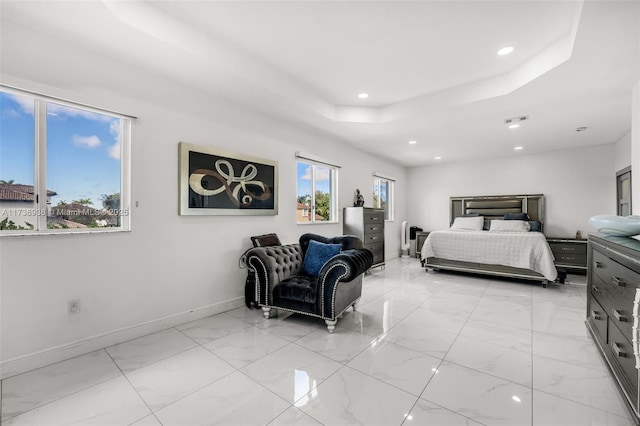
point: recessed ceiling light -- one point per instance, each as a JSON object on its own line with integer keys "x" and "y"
{"x": 514, "y": 126}
{"x": 413, "y": 142}
{"x": 505, "y": 50}
{"x": 580, "y": 129}
{"x": 437, "y": 158}
{"x": 363, "y": 95}
{"x": 518, "y": 148}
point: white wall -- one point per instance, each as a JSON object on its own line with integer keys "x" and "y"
{"x": 622, "y": 152}
{"x": 168, "y": 265}
{"x": 635, "y": 149}
{"x": 577, "y": 184}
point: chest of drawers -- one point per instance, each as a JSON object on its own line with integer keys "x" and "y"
{"x": 613, "y": 275}
{"x": 368, "y": 224}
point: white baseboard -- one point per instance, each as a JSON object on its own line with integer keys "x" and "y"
{"x": 39, "y": 359}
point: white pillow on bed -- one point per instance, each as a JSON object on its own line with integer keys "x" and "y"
{"x": 510, "y": 226}
{"x": 473, "y": 223}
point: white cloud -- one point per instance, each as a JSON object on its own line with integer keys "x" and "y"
{"x": 114, "y": 128}
{"x": 114, "y": 151}
{"x": 65, "y": 111}
{"x": 307, "y": 174}
{"x": 322, "y": 173}
{"x": 86, "y": 141}
{"x": 26, "y": 103}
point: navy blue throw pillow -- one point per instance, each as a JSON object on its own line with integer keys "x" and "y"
{"x": 516, "y": 216}
{"x": 535, "y": 226}
{"x": 317, "y": 255}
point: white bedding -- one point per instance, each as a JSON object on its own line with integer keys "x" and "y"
{"x": 528, "y": 250}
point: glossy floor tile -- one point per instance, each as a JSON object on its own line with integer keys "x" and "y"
{"x": 55, "y": 381}
{"x": 479, "y": 396}
{"x": 423, "y": 348}
{"x": 351, "y": 397}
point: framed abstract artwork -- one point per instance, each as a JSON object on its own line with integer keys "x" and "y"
{"x": 217, "y": 182}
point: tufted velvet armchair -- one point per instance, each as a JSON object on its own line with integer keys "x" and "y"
{"x": 282, "y": 284}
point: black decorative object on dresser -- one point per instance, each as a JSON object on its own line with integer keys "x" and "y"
{"x": 613, "y": 276}
{"x": 570, "y": 256}
{"x": 368, "y": 224}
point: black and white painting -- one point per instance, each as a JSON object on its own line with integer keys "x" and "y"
{"x": 218, "y": 182}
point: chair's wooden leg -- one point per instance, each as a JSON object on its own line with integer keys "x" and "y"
{"x": 331, "y": 325}
{"x": 266, "y": 312}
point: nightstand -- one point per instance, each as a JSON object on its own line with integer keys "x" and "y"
{"x": 570, "y": 256}
{"x": 421, "y": 237}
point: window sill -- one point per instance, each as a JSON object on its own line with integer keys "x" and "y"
{"x": 4, "y": 234}
{"x": 318, "y": 223}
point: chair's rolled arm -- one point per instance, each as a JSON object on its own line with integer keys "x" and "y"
{"x": 272, "y": 265}
{"x": 348, "y": 264}
{"x": 344, "y": 267}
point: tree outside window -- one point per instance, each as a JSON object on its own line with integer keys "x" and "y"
{"x": 316, "y": 189}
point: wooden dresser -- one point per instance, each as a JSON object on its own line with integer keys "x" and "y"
{"x": 368, "y": 224}
{"x": 612, "y": 278}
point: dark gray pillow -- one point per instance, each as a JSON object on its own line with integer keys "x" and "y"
{"x": 266, "y": 240}
{"x": 535, "y": 226}
{"x": 516, "y": 216}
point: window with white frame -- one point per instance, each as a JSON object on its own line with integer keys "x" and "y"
{"x": 63, "y": 167}
{"x": 383, "y": 195}
{"x": 316, "y": 191}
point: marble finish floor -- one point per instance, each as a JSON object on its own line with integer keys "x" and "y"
{"x": 422, "y": 349}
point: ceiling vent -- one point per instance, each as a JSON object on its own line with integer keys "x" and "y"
{"x": 518, "y": 119}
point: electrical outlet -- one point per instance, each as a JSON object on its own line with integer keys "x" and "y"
{"x": 73, "y": 306}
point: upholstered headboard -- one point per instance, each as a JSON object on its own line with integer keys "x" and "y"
{"x": 495, "y": 206}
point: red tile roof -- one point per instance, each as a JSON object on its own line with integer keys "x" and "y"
{"x": 19, "y": 192}
{"x": 61, "y": 223}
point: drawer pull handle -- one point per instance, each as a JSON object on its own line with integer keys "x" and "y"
{"x": 568, "y": 258}
{"x": 618, "y": 315}
{"x": 619, "y": 351}
{"x": 618, "y": 281}
{"x": 567, "y": 249}
{"x": 374, "y": 238}
{"x": 595, "y": 315}
{"x": 599, "y": 265}
{"x": 595, "y": 288}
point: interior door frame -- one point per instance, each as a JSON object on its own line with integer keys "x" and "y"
{"x": 619, "y": 178}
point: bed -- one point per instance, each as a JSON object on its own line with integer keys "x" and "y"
{"x": 500, "y": 251}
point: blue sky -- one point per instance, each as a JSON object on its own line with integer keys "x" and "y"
{"x": 383, "y": 189}
{"x": 83, "y": 151}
